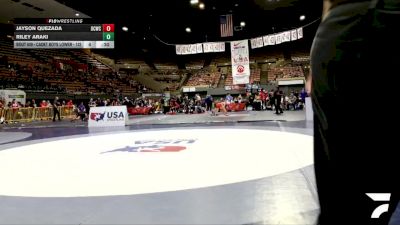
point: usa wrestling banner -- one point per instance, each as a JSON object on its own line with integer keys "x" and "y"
{"x": 240, "y": 62}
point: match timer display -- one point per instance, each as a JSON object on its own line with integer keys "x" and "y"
{"x": 63, "y": 33}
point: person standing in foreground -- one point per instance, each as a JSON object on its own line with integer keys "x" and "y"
{"x": 56, "y": 103}
{"x": 354, "y": 152}
{"x": 278, "y": 98}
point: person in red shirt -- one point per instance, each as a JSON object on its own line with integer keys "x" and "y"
{"x": 15, "y": 107}
{"x": 70, "y": 103}
{"x": 220, "y": 106}
{"x": 43, "y": 104}
{"x": 263, "y": 98}
{"x": 14, "y": 104}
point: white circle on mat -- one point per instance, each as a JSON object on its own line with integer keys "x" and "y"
{"x": 149, "y": 162}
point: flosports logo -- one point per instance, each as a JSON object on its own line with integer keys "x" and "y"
{"x": 379, "y": 197}
{"x": 156, "y": 146}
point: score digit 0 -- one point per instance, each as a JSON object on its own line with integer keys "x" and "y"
{"x": 108, "y": 27}
{"x": 108, "y": 36}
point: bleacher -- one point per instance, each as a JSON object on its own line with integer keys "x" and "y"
{"x": 167, "y": 75}
{"x": 85, "y": 58}
{"x": 285, "y": 72}
{"x": 204, "y": 78}
{"x": 15, "y": 55}
{"x": 35, "y": 69}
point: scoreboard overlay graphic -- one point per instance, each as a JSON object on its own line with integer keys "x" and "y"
{"x": 62, "y": 33}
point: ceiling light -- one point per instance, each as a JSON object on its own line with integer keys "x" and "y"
{"x": 302, "y": 17}
{"x": 194, "y": 2}
{"x": 188, "y": 30}
{"x": 202, "y": 6}
{"x": 236, "y": 5}
{"x": 76, "y": 14}
{"x": 242, "y": 24}
{"x": 125, "y": 29}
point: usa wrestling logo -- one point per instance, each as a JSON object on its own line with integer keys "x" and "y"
{"x": 156, "y": 146}
{"x": 97, "y": 116}
{"x": 111, "y": 116}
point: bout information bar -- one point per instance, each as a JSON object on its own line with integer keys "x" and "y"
{"x": 62, "y": 33}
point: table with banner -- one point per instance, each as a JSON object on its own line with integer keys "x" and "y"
{"x": 232, "y": 107}
{"x": 108, "y": 116}
{"x": 139, "y": 110}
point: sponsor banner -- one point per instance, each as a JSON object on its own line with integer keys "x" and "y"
{"x": 266, "y": 40}
{"x": 189, "y": 89}
{"x": 283, "y": 37}
{"x": 240, "y": 62}
{"x": 9, "y": 95}
{"x": 193, "y": 49}
{"x": 186, "y": 50}
{"x": 253, "y": 43}
{"x": 183, "y": 50}
{"x": 257, "y": 42}
{"x": 199, "y": 48}
{"x": 214, "y": 47}
{"x": 300, "y": 33}
{"x": 234, "y": 87}
{"x": 206, "y": 47}
{"x": 287, "y": 36}
{"x": 279, "y": 38}
{"x": 290, "y": 82}
{"x": 108, "y": 116}
{"x": 220, "y": 47}
{"x": 271, "y": 39}
{"x": 178, "y": 49}
{"x": 294, "y": 35}
{"x": 189, "y": 49}
{"x": 153, "y": 95}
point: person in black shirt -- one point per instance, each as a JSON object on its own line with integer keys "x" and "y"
{"x": 278, "y": 99}
{"x": 209, "y": 101}
{"x": 355, "y": 153}
{"x": 56, "y": 103}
